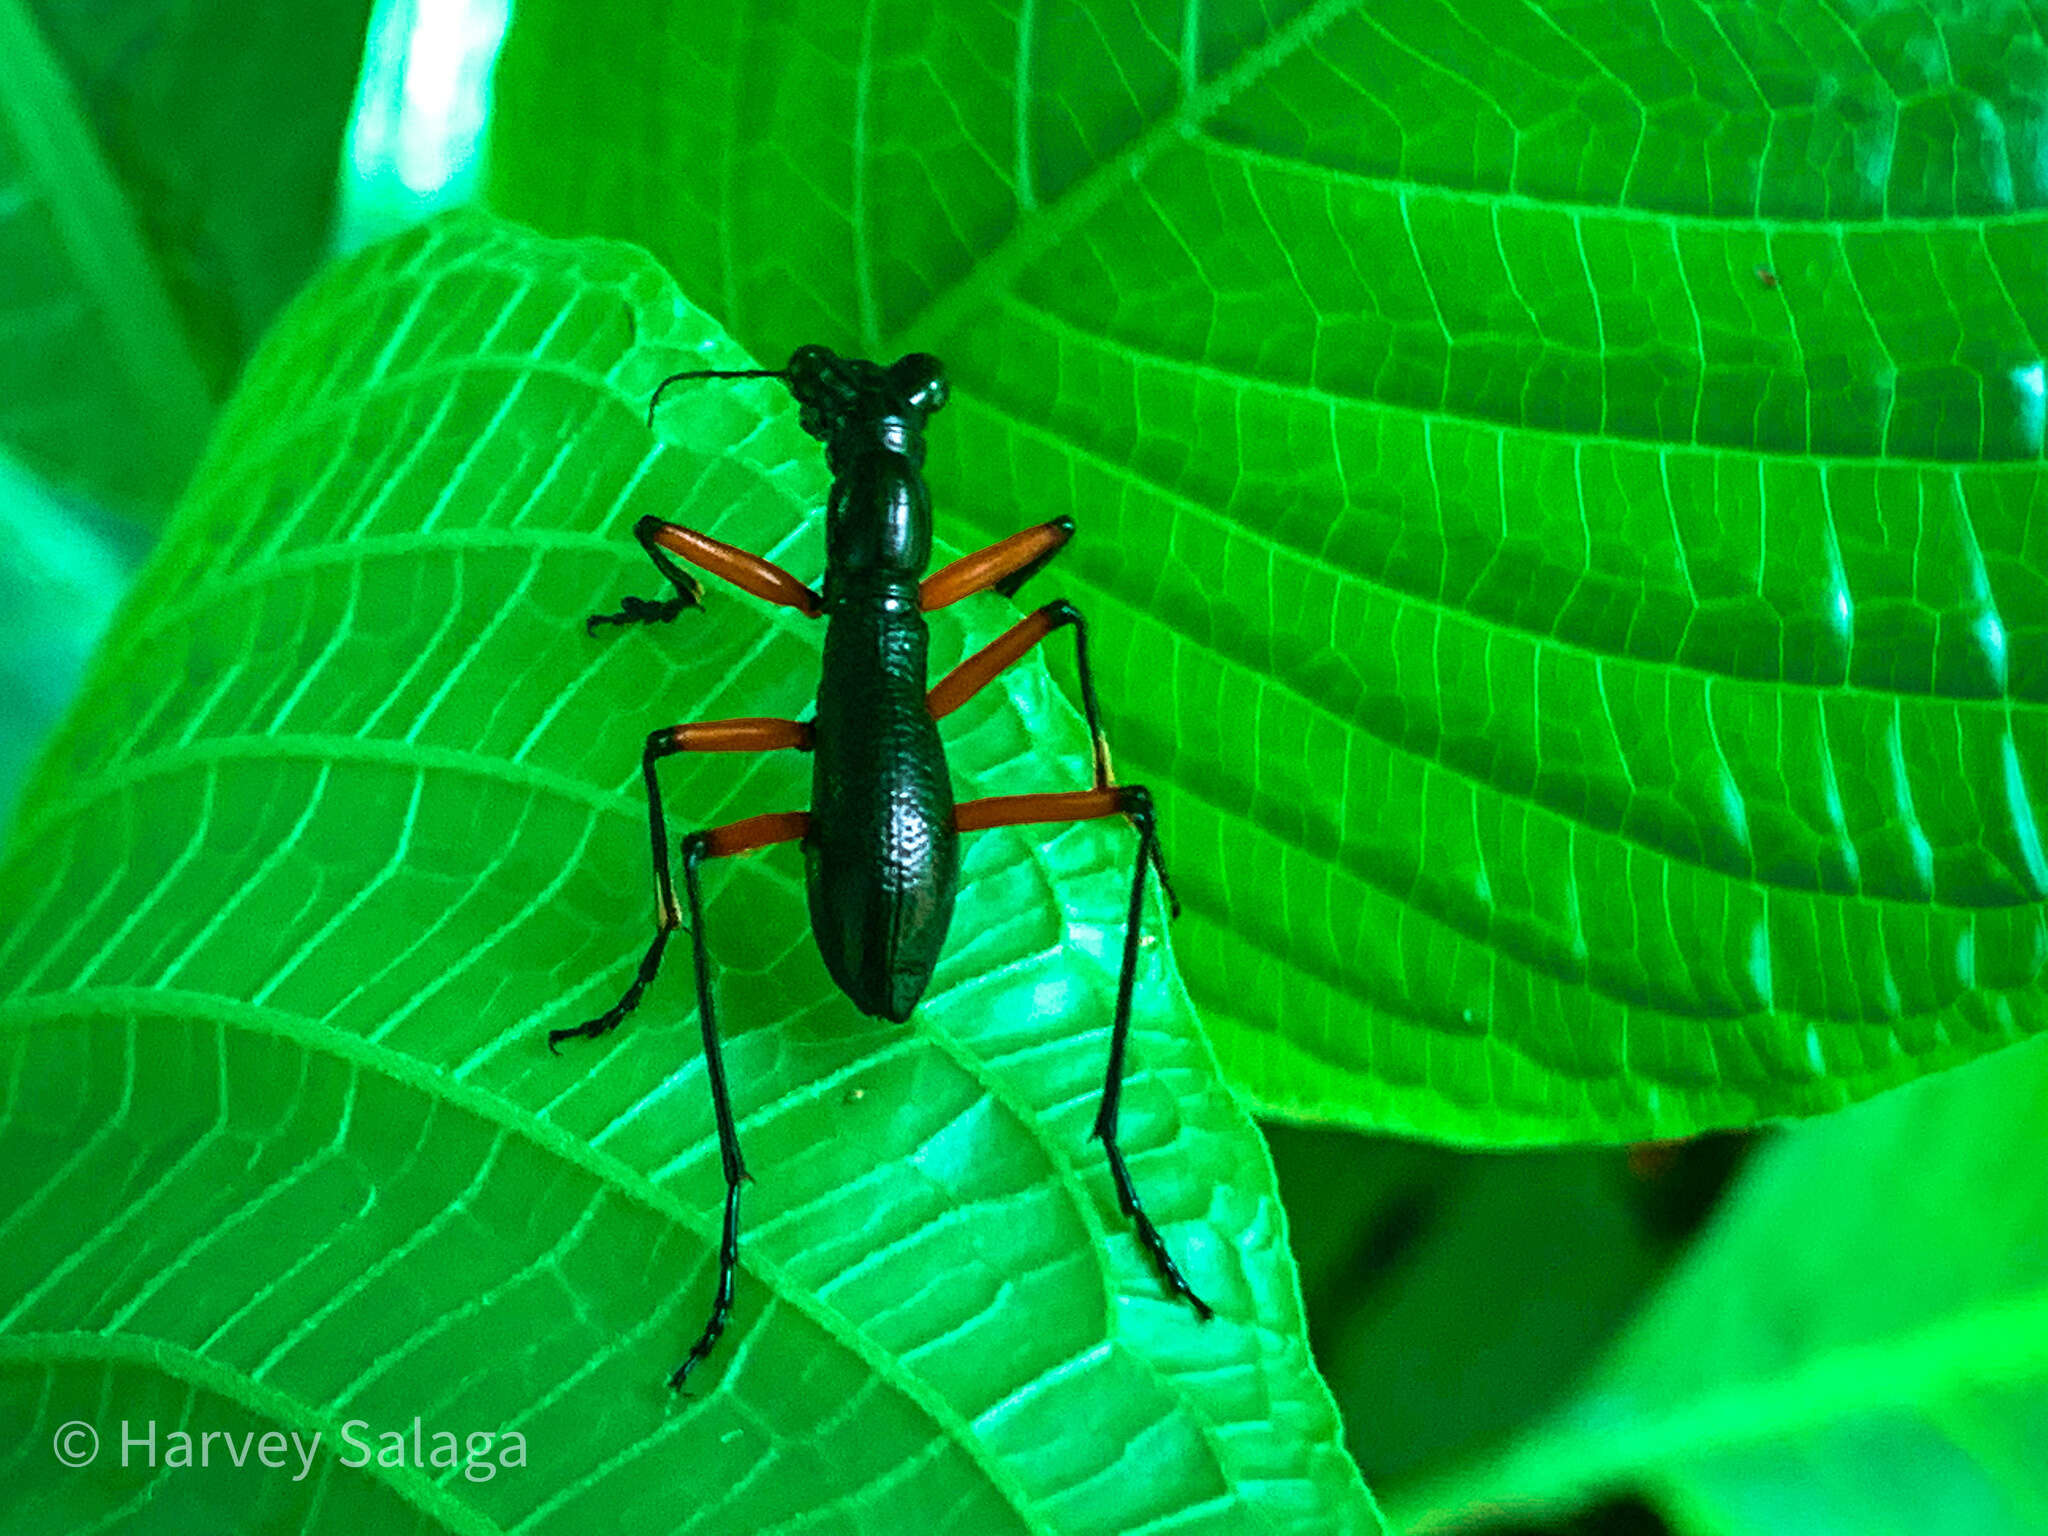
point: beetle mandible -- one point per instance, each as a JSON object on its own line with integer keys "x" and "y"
{"x": 881, "y": 839}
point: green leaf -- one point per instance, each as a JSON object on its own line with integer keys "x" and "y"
{"x": 63, "y": 573}
{"x": 167, "y": 181}
{"x": 223, "y": 120}
{"x": 1860, "y": 1343}
{"x": 99, "y": 390}
{"x": 1494, "y": 1281}
{"x": 1560, "y": 489}
{"x": 348, "y": 818}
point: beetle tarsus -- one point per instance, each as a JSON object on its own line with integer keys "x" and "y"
{"x": 612, "y": 1017}
{"x": 644, "y": 610}
{"x": 721, "y": 1306}
{"x": 1148, "y": 1234}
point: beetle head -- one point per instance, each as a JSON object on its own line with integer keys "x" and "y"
{"x": 848, "y": 403}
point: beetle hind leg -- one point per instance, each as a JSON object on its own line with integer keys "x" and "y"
{"x": 1134, "y": 802}
{"x": 721, "y": 842}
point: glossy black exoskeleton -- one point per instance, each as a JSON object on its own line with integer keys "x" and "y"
{"x": 881, "y": 838}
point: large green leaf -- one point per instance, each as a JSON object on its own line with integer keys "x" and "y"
{"x": 1560, "y": 487}
{"x": 167, "y": 181}
{"x": 224, "y": 121}
{"x": 1860, "y": 1343}
{"x": 99, "y": 388}
{"x": 348, "y": 818}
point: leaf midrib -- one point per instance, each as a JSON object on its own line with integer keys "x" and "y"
{"x": 1044, "y": 225}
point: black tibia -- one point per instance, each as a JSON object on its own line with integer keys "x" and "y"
{"x": 756, "y": 735}
{"x": 1136, "y": 803}
{"x": 660, "y": 744}
{"x": 1066, "y": 612}
{"x": 1140, "y": 812}
{"x": 695, "y": 847}
{"x": 646, "y": 610}
{"x": 718, "y": 843}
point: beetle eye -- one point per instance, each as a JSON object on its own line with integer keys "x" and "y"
{"x": 922, "y": 380}
{"x": 810, "y": 375}
{"x": 809, "y": 362}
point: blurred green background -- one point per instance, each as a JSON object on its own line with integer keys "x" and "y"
{"x": 1839, "y": 1325}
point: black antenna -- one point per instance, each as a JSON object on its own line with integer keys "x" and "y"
{"x": 709, "y": 373}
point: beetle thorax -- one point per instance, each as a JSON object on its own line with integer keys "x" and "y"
{"x": 878, "y": 522}
{"x": 857, "y": 437}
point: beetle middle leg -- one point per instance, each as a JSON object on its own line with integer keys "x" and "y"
{"x": 1135, "y": 802}
{"x": 1002, "y": 567}
{"x": 986, "y": 664}
{"x": 751, "y": 735}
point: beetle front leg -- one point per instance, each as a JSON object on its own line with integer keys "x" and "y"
{"x": 744, "y": 569}
{"x": 644, "y": 610}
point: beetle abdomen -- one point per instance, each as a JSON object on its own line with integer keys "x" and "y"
{"x": 883, "y": 853}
